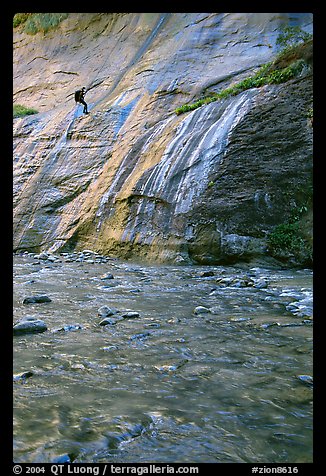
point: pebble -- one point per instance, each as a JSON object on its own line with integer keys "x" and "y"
{"x": 85, "y": 256}
{"x": 170, "y": 367}
{"x": 29, "y": 325}
{"x": 42, "y": 255}
{"x": 47, "y": 257}
{"x": 174, "y": 320}
{"x": 243, "y": 282}
{"x": 140, "y": 336}
{"x": 110, "y": 348}
{"x": 69, "y": 327}
{"x": 166, "y": 368}
{"x": 36, "y": 299}
{"x": 78, "y": 367}
{"x": 270, "y": 324}
{"x": 240, "y": 319}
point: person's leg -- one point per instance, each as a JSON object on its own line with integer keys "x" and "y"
{"x": 85, "y": 106}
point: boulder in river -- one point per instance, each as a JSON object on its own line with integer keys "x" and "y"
{"x": 106, "y": 311}
{"x": 36, "y": 299}
{"x": 29, "y": 325}
{"x": 130, "y": 314}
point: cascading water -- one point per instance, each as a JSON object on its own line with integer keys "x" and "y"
{"x": 183, "y": 171}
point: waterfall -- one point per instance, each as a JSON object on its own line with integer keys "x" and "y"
{"x": 182, "y": 174}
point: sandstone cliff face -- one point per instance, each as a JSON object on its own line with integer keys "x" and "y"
{"x": 132, "y": 178}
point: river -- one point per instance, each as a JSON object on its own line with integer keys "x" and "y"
{"x": 197, "y": 363}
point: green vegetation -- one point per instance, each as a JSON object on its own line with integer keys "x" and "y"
{"x": 285, "y": 237}
{"x": 21, "y": 111}
{"x": 287, "y": 65}
{"x": 293, "y": 238}
{"x": 261, "y": 78}
{"x": 35, "y": 22}
{"x": 292, "y": 35}
{"x": 20, "y": 19}
{"x": 310, "y": 113}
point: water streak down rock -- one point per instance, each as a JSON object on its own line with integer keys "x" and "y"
{"x": 132, "y": 178}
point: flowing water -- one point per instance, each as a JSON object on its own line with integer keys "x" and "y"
{"x": 176, "y": 383}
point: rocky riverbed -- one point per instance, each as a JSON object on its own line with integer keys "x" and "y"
{"x": 126, "y": 362}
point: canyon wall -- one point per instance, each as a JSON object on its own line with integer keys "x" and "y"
{"x": 132, "y": 178}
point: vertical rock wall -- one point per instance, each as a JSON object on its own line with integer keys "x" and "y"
{"x": 134, "y": 179}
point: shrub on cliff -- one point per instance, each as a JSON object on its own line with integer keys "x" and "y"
{"x": 21, "y": 111}
{"x": 291, "y": 36}
{"x": 289, "y": 63}
{"x": 266, "y": 75}
{"x": 20, "y": 19}
{"x": 35, "y": 22}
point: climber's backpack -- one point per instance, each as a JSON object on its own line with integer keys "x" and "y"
{"x": 78, "y": 95}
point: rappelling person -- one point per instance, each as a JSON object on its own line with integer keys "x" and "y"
{"x": 79, "y": 98}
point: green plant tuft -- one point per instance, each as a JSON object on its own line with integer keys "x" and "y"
{"x": 21, "y": 111}
{"x": 287, "y": 65}
{"x": 290, "y": 239}
{"x": 20, "y": 19}
{"x": 35, "y": 22}
{"x": 284, "y": 237}
{"x": 292, "y": 35}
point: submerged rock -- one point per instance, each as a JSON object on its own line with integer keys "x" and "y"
{"x": 207, "y": 274}
{"x": 307, "y": 379}
{"x": 61, "y": 459}
{"x": 261, "y": 283}
{"x": 171, "y": 367}
{"x": 42, "y": 256}
{"x": 114, "y": 438}
{"x": 68, "y": 328}
{"x": 29, "y": 325}
{"x": 140, "y": 336}
{"x": 23, "y": 376}
{"x": 108, "y": 320}
{"x": 107, "y": 276}
{"x": 201, "y": 310}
